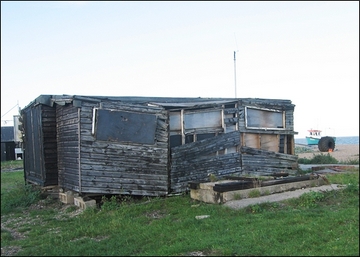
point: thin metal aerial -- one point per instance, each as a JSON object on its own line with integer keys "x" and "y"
{"x": 10, "y": 110}
{"x": 235, "y": 65}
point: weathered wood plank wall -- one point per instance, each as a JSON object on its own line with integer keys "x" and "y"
{"x": 195, "y": 161}
{"x": 262, "y": 162}
{"x": 67, "y": 122}
{"x": 123, "y": 167}
{"x": 33, "y": 150}
{"x": 50, "y": 145}
{"x": 40, "y": 147}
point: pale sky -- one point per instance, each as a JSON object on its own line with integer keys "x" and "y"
{"x": 306, "y": 52}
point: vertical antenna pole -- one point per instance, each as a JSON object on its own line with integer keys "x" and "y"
{"x": 235, "y": 72}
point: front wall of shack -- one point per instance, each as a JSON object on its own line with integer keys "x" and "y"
{"x": 267, "y": 136}
{"x": 203, "y": 140}
{"x": 109, "y": 147}
{"x": 248, "y": 137}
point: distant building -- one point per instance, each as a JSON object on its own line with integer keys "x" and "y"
{"x": 7, "y": 143}
{"x": 11, "y": 141}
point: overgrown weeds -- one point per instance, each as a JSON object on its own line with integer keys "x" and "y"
{"x": 326, "y": 159}
{"x": 19, "y": 197}
{"x": 351, "y": 161}
{"x": 310, "y": 199}
{"x": 319, "y": 159}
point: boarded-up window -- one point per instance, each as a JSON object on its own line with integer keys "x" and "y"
{"x": 209, "y": 119}
{"x": 269, "y": 142}
{"x": 261, "y": 141}
{"x": 264, "y": 118}
{"x": 120, "y": 126}
{"x": 175, "y": 121}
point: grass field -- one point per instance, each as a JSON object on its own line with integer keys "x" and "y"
{"x": 317, "y": 223}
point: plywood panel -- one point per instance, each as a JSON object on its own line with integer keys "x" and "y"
{"x": 251, "y": 140}
{"x": 269, "y": 142}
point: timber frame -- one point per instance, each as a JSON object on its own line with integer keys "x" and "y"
{"x": 153, "y": 146}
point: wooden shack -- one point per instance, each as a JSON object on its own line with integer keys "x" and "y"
{"x": 153, "y": 146}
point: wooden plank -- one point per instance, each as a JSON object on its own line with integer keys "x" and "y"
{"x": 285, "y": 180}
{"x": 123, "y": 186}
{"x": 122, "y": 181}
{"x": 239, "y": 185}
{"x": 240, "y": 178}
{"x": 232, "y": 186}
{"x": 204, "y": 163}
{"x": 111, "y": 154}
{"x": 203, "y": 176}
{"x": 121, "y": 146}
{"x": 114, "y": 160}
{"x": 266, "y": 161}
{"x": 253, "y": 151}
{"x": 127, "y": 168}
{"x": 93, "y": 190}
{"x": 206, "y": 146}
{"x": 231, "y": 121}
{"x": 243, "y": 129}
{"x": 265, "y": 171}
{"x": 230, "y": 110}
{"x": 251, "y": 140}
{"x": 119, "y": 174}
{"x": 131, "y": 107}
{"x": 127, "y": 150}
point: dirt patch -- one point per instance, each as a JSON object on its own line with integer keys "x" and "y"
{"x": 10, "y": 250}
{"x": 155, "y": 214}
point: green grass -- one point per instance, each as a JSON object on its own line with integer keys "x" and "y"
{"x": 15, "y": 195}
{"x": 8, "y": 165}
{"x": 321, "y": 223}
{"x": 254, "y": 193}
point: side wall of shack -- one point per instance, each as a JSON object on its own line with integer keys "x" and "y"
{"x": 67, "y": 122}
{"x": 40, "y": 145}
{"x": 108, "y": 147}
